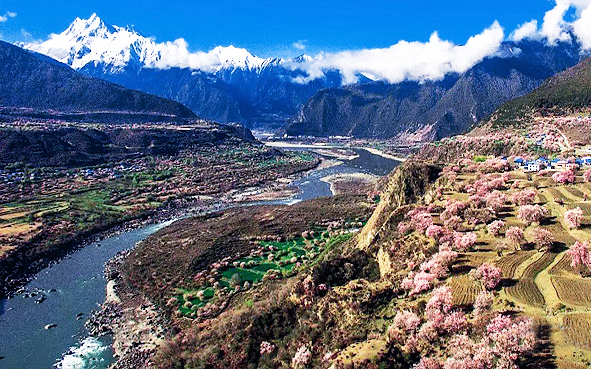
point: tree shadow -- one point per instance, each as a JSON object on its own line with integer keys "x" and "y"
{"x": 558, "y": 247}
{"x": 548, "y": 221}
{"x": 461, "y": 269}
{"x": 508, "y": 282}
{"x": 542, "y": 356}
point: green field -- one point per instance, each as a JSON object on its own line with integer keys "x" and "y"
{"x": 281, "y": 258}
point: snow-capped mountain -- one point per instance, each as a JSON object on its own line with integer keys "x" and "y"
{"x": 224, "y": 84}
{"x": 93, "y": 42}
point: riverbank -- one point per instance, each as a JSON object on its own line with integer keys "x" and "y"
{"x": 18, "y": 271}
{"x": 383, "y": 154}
{"x": 136, "y": 325}
{"x": 351, "y": 183}
{"x": 68, "y": 230}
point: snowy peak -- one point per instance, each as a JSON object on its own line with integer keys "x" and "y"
{"x": 233, "y": 57}
{"x": 303, "y": 59}
{"x": 93, "y": 27}
{"x": 92, "y": 43}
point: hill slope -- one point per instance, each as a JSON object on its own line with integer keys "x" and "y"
{"x": 33, "y": 81}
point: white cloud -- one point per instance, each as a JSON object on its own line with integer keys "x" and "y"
{"x": 408, "y": 60}
{"x": 6, "y": 16}
{"x": 582, "y": 27}
{"x": 300, "y": 44}
{"x": 555, "y": 28}
{"x": 526, "y": 30}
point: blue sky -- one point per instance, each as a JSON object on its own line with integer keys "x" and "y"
{"x": 270, "y": 28}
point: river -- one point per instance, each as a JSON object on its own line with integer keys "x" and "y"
{"x": 74, "y": 287}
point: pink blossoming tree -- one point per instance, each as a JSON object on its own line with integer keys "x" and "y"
{"x": 525, "y": 197}
{"x": 515, "y": 237}
{"x": 495, "y": 227}
{"x": 573, "y": 217}
{"x": 489, "y": 275}
{"x": 543, "y": 238}
{"x": 302, "y": 357}
{"x": 464, "y": 242}
{"x": 564, "y": 177}
{"x": 580, "y": 255}
{"x": 532, "y": 213}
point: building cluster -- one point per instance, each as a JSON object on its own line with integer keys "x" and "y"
{"x": 544, "y": 163}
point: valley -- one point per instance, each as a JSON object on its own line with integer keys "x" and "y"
{"x": 288, "y": 188}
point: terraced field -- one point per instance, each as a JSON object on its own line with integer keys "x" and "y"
{"x": 560, "y": 234}
{"x": 573, "y": 291}
{"x": 543, "y": 285}
{"x": 563, "y": 268}
{"x": 464, "y": 289}
{"x": 576, "y": 328}
{"x": 511, "y": 262}
{"x": 574, "y": 193}
{"x": 526, "y": 290}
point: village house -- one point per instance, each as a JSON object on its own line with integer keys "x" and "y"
{"x": 532, "y": 166}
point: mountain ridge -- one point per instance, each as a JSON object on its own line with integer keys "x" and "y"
{"x": 32, "y": 81}
{"x": 235, "y": 87}
{"x": 229, "y": 84}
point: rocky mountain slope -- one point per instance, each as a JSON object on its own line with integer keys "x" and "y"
{"x": 30, "y": 80}
{"x": 432, "y": 110}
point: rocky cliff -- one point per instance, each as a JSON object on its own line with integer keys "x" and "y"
{"x": 408, "y": 184}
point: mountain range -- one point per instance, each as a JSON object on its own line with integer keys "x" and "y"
{"x": 229, "y": 84}
{"x": 565, "y": 93}
{"x": 235, "y": 87}
{"x": 431, "y": 110}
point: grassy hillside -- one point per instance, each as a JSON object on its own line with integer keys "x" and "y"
{"x": 565, "y": 93}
